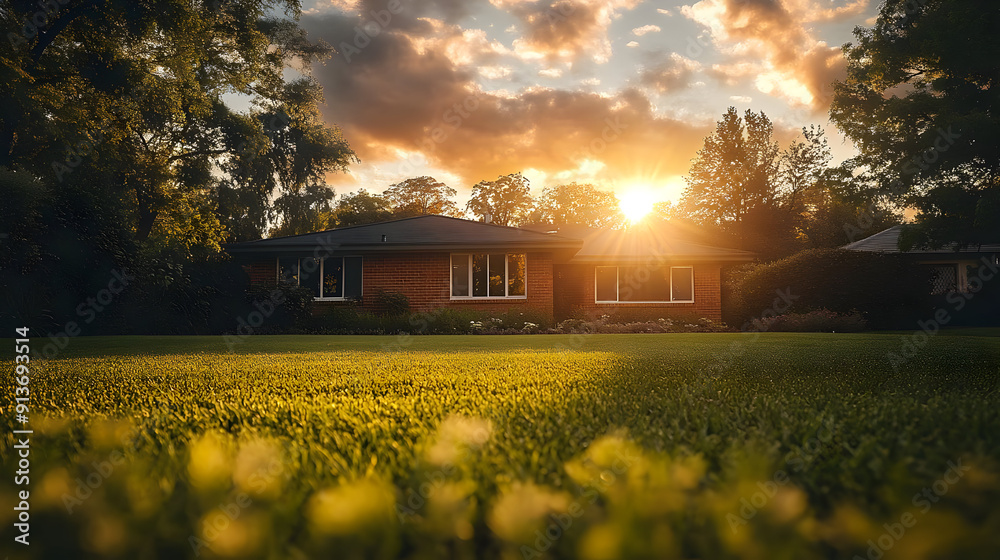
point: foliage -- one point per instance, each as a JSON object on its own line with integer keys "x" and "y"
{"x": 360, "y": 208}
{"x": 888, "y": 290}
{"x": 507, "y": 200}
{"x": 137, "y": 89}
{"x": 420, "y": 196}
{"x": 618, "y": 324}
{"x": 285, "y": 447}
{"x": 819, "y": 320}
{"x": 578, "y": 204}
{"x": 353, "y": 320}
{"x": 742, "y": 184}
{"x": 391, "y": 303}
{"x": 920, "y": 104}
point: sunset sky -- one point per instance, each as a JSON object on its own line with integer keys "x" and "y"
{"x": 620, "y": 93}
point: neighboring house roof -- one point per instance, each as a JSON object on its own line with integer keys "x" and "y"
{"x": 888, "y": 242}
{"x": 408, "y": 234}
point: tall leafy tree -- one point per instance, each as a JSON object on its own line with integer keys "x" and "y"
{"x": 733, "y": 181}
{"x": 141, "y": 88}
{"x": 420, "y": 196}
{"x": 744, "y": 185}
{"x": 579, "y": 204}
{"x": 921, "y": 102}
{"x": 507, "y": 200}
{"x": 359, "y": 208}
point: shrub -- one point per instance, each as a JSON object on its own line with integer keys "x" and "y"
{"x": 392, "y": 304}
{"x": 820, "y": 320}
{"x": 606, "y": 324}
{"x": 888, "y": 291}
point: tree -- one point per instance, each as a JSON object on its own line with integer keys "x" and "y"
{"x": 760, "y": 196}
{"x": 578, "y": 204}
{"x": 138, "y": 88}
{"x": 920, "y": 102}
{"x": 420, "y": 196}
{"x": 733, "y": 183}
{"x": 836, "y": 214}
{"x": 305, "y": 211}
{"x": 507, "y": 200}
{"x": 360, "y": 208}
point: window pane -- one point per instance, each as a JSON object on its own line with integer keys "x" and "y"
{"x": 288, "y": 270}
{"x": 309, "y": 275}
{"x": 498, "y": 274}
{"x": 607, "y": 283}
{"x": 944, "y": 279}
{"x": 480, "y": 275}
{"x": 683, "y": 283}
{"x": 515, "y": 275}
{"x": 352, "y": 277}
{"x": 460, "y": 275}
{"x": 643, "y": 283}
{"x": 333, "y": 272}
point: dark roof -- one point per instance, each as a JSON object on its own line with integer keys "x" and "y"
{"x": 644, "y": 242}
{"x": 888, "y": 242}
{"x": 415, "y": 233}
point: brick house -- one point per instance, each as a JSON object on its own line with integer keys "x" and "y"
{"x": 439, "y": 261}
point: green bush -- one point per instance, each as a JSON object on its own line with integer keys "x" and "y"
{"x": 888, "y": 291}
{"x": 392, "y": 304}
{"x": 820, "y": 320}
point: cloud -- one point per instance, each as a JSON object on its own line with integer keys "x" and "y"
{"x": 640, "y": 31}
{"x": 631, "y": 44}
{"x": 740, "y": 98}
{"x": 669, "y": 73}
{"x": 665, "y": 12}
{"x": 417, "y": 98}
{"x": 566, "y": 30}
{"x": 772, "y": 36}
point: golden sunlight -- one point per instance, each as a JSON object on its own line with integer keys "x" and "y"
{"x": 637, "y": 201}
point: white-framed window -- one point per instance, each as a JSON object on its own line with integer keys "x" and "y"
{"x": 644, "y": 284}
{"x": 489, "y": 275}
{"x": 329, "y": 278}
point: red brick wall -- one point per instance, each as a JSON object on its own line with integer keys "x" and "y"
{"x": 263, "y": 272}
{"x": 575, "y": 294}
{"x": 425, "y": 279}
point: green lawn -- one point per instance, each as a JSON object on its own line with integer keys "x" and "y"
{"x": 586, "y": 446}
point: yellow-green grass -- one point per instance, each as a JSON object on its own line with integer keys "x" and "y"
{"x": 658, "y": 446}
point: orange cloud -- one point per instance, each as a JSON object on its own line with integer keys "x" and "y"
{"x": 772, "y": 36}
{"x": 564, "y": 29}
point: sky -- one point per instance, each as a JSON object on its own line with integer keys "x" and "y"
{"x": 619, "y": 93}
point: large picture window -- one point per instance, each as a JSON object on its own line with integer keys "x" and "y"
{"x": 644, "y": 284}
{"x": 330, "y": 278}
{"x": 493, "y": 275}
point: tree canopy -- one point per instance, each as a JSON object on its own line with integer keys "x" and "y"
{"x": 765, "y": 199}
{"x": 578, "y": 204}
{"x": 359, "y": 208}
{"x": 420, "y": 196}
{"x": 920, "y": 104}
{"x": 120, "y": 146}
{"x": 507, "y": 200}
{"x": 143, "y": 89}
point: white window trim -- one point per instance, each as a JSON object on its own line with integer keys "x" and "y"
{"x": 506, "y": 278}
{"x": 322, "y": 264}
{"x": 618, "y": 293}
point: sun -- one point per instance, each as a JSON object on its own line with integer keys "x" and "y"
{"x": 636, "y": 202}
